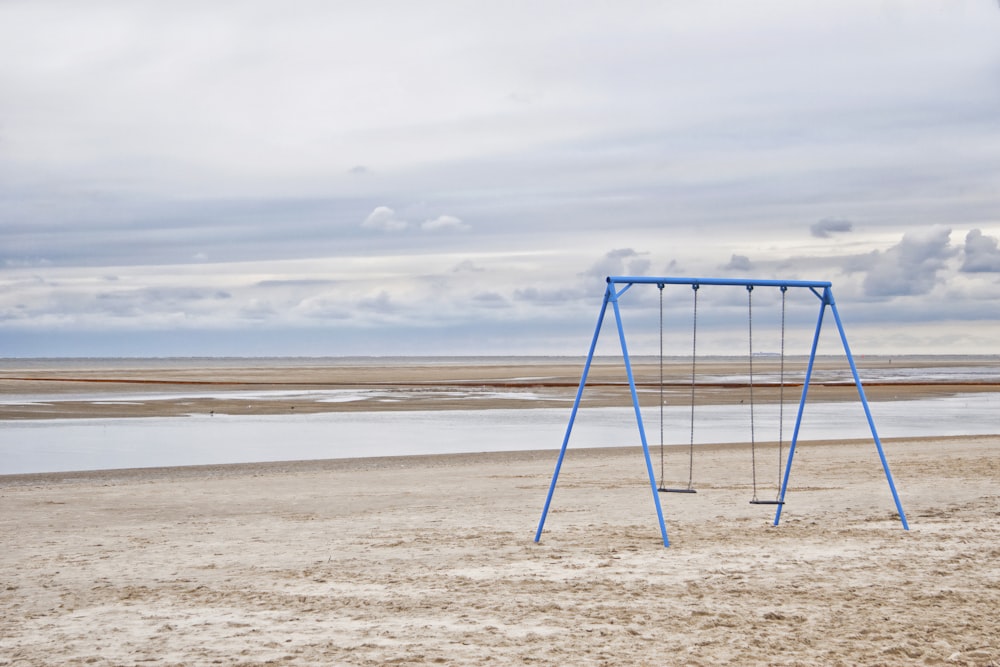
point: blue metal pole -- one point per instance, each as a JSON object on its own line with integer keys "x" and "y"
{"x": 802, "y": 406}
{"x": 746, "y": 282}
{"x": 576, "y": 406}
{"x": 868, "y": 413}
{"x": 638, "y": 416}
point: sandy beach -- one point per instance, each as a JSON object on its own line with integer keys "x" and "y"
{"x": 431, "y": 559}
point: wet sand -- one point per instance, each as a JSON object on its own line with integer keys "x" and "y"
{"x": 418, "y": 386}
{"x": 431, "y": 560}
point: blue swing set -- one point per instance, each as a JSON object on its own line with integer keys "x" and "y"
{"x": 617, "y": 286}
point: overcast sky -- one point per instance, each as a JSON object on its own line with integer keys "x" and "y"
{"x": 379, "y": 177}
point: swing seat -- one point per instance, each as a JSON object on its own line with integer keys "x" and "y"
{"x": 666, "y": 490}
{"x": 767, "y": 502}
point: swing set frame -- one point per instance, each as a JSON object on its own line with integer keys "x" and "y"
{"x": 617, "y": 286}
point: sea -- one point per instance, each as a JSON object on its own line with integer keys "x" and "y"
{"x": 61, "y": 445}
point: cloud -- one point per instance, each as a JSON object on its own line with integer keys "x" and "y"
{"x": 548, "y": 297}
{"x": 257, "y": 309}
{"x": 739, "y": 263}
{"x": 130, "y": 302}
{"x": 444, "y": 223}
{"x": 490, "y": 300}
{"x": 381, "y": 303}
{"x": 183, "y": 169}
{"x": 619, "y": 262}
{"x": 320, "y": 307}
{"x": 384, "y": 219}
{"x": 308, "y": 283}
{"x": 909, "y": 268}
{"x": 467, "y": 266}
{"x": 827, "y": 226}
{"x": 981, "y": 253}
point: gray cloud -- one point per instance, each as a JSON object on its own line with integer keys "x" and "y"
{"x": 490, "y": 300}
{"x": 308, "y": 283}
{"x": 911, "y": 267}
{"x": 619, "y": 262}
{"x": 254, "y": 164}
{"x": 739, "y": 263}
{"x": 73, "y": 228}
{"x": 467, "y": 266}
{"x": 133, "y": 302}
{"x": 548, "y": 296}
{"x": 981, "y": 253}
{"x": 381, "y": 303}
{"x": 257, "y": 309}
{"x": 827, "y": 226}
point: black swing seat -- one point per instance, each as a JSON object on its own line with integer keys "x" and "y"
{"x": 666, "y": 490}
{"x": 767, "y": 502}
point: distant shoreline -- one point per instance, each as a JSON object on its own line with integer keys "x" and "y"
{"x": 120, "y": 388}
{"x": 464, "y": 359}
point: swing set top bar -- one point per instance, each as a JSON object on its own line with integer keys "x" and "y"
{"x": 748, "y": 282}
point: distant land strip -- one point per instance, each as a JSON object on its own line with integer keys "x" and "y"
{"x": 505, "y": 383}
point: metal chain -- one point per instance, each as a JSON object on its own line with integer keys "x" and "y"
{"x": 694, "y": 364}
{"x": 781, "y": 392}
{"x": 753, "y": 448}
{"x": 662, "y": 465}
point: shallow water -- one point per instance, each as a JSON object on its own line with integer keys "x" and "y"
{"x": 93, "y": 444}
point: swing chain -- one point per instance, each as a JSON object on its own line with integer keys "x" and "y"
{"x": 694, "y": 357}
{"x": 662, "y": 464}
{"x": 781, "y": 391}
{"x": 694, "y": 375}
{"x": 753, "y": 447}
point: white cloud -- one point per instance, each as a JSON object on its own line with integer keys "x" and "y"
{"x": 384, "y": 219}
{"x": 444, "y": 223}
{"x": 257, "y": 309}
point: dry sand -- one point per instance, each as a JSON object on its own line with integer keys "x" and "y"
{"x": 431, "y": 560}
